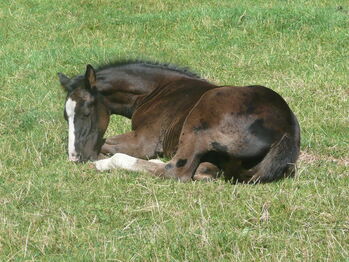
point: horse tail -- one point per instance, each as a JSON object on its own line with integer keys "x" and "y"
{"x": 280, "y": 161}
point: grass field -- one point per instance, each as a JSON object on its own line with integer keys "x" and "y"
{"x": 53, "y": 210}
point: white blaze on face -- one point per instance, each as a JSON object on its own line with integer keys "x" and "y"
{"x": 70, "y": 110}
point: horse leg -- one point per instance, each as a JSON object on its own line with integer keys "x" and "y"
{"x": 206, "y": 171}
{"x": 133, "y": 144}
{"x": 186, "y": 160}
{"x": 130, "y": 163}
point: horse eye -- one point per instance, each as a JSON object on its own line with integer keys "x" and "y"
{"x": 87, "y": 107}
{"x": 90, "y": 103}
{"x": 86, "y": 111}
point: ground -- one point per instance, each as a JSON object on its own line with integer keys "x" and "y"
{"x": 53, "y": 210}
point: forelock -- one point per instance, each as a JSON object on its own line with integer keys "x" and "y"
{"x": 75, "y": 82}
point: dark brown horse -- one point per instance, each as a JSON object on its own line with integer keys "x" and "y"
{"x": 249, "y": 133}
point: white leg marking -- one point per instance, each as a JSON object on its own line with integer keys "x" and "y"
{"x": 157, "y": 161}
{"x": 70, "y": 110}
{"x": 127, "y": 162}
{"x": 118, "y": 161}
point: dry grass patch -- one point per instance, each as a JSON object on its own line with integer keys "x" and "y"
{"x": 310, "y": 158}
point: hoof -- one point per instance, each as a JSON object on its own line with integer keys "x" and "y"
{"x": 185, "y": 179}
{"x": 91, "y": 166}
{"x": 204, "y": 177}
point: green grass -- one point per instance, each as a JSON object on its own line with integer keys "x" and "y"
{"x": 52, "y": 210}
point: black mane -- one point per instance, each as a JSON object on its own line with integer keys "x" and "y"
{"x": 170, "y": 67}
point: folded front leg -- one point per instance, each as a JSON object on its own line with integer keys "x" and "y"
{"x": 133, "y": 144}
{"x": 130, "y": 163}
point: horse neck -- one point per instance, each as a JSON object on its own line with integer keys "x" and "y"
{"x": 123, "y": 93}
{"x": 123, "y": 101}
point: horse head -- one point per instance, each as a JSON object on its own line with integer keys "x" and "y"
{"x": 86, "y": 114}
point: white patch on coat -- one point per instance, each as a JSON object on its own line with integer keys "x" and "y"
{"x": 70, "y": 110}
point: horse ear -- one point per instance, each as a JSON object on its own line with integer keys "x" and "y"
{"x": 64, "y": 80}
{"x": 90, "y": 76}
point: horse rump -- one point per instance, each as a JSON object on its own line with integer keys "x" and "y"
{"x": 280, "y": 161}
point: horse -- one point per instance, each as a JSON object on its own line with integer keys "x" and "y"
{"x": 247, "y": 133}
